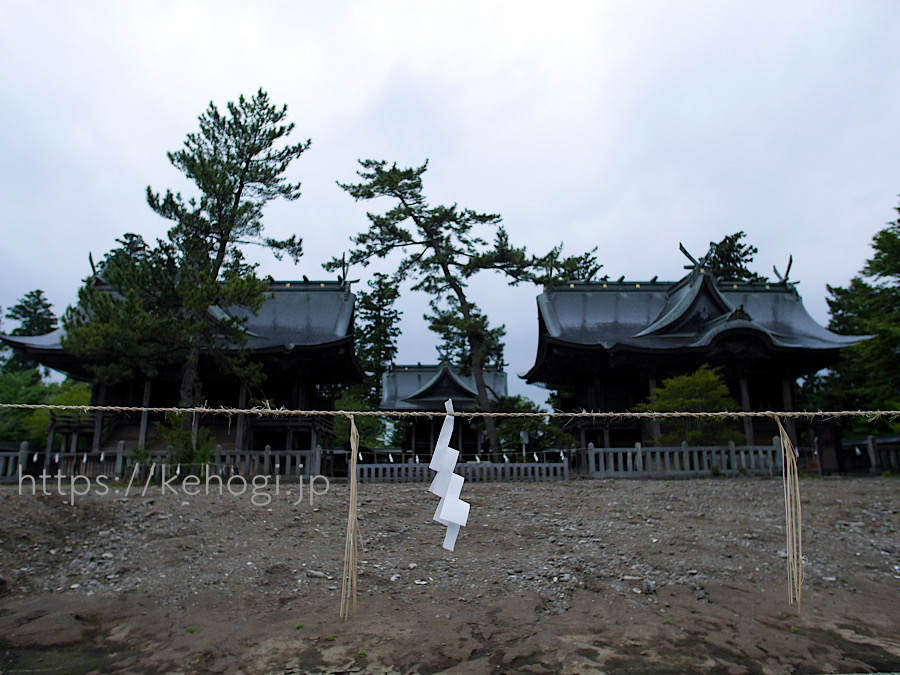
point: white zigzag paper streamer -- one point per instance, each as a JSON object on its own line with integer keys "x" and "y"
{"x": 451, "y": 511}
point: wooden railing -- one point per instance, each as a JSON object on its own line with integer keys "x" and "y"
{"x": 684, "y": 460}
{"x": 121, "y": 462}
{"x": 882, "y": 453}
{"x": 11, "y": 458}
{"x": 476, "y": 472}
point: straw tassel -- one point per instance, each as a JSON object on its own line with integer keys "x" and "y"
{"x": 792, "y": 516}
{"x": 348, "y": 587}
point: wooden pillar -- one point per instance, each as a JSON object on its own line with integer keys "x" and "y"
{"x": 51, "y": 437}
{"x": 872, "y": 447}
{"x": 790, "y": 425}
{"x": 316, "y": 468}
{"x": 142, "y": 437}
{"x": 606, "y": 436}
{"x": 240, "y": 432}
{"x": 23, "y": 458}
{"x": 745, "y": 406}
{"x": 195, "y": 426}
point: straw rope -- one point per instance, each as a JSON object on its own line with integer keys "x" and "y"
{"x": 583, "y": 414}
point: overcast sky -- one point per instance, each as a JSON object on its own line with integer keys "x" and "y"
{"x": 631, "y": 126}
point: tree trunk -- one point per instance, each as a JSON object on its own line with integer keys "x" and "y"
{"x": 188, "y": 391}
{"x": 490, "y": 425}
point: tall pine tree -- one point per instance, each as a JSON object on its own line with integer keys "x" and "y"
{"x": 443, "y": 247}
{"x": 35, "y": 316}
{"x": 377, "y": 332}
{"x": 169, "y": 298}
{"x": 868, "y": 374}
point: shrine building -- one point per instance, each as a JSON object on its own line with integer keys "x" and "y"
{"x": 302, "y": 337}
{"x": 604, "y": 345}
{"x": 425, "y": 389}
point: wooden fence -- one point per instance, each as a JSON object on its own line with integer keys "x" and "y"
{"x": 12, "y": 456}
{"x": 121, "y": 463}
{"x": 660, "y": 462}
{"x": 882, "y": 453}
{"x": 476, "y": 472}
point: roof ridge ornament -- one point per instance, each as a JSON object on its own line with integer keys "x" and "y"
{"x": 697, "y": 265}
{"x": 787, "y": 271}
{"x": 689, "y": 257}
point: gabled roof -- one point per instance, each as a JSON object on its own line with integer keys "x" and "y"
{"x": 688, "y": 316}
{"x": 427, "y": 387}
{"x": 296, "y": 317}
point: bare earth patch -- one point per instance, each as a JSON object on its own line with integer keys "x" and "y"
{"x": 578, "y": 577}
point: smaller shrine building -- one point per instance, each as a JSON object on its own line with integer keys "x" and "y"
{"x": 425, "y": 389}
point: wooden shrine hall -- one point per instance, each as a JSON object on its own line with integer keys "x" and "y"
{"x": 303, "y": 338}
{"x": 425, "y": 389}
{"x": 605, "y": 345}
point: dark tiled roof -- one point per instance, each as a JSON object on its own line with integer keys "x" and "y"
{"x": 688, "y": 315}
{"x": 300, "y": 315}
{"x": 297, "y": 316}
{"x": 427, "y": 387}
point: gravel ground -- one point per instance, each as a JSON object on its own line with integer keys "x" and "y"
{"x": 576, "y": 577}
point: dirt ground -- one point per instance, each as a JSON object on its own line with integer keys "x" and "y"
{"x": 586, "y": 576}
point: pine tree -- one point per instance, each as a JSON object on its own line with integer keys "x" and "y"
{"x": 443, "y": 248}
{"x": 729, "y": 259}
{"x": 169, "y": 298}
{"x": 35, "y": 316}
{"x": 868, "y": 375}
{"x": 377, "y": 332}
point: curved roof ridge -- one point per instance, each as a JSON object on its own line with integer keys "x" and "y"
{"x": 684, "y": 298}
{"x": 443, "y": 370}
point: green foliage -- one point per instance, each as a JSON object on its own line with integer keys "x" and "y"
{"x": 69, "y": 392}
{"x": 553, "y": 269}
{"x": 152, "y": 307}
{"x": 868, "y": 374}
{"x": 35, "y": 316}
{"x": 729, "y": 259}
{"x": 18, "y": 386}
{"x": 701, "y": 391}
{"x": 376, "y": 336}
{"x": 543, "y": 433}
{"x": 370, "y": 429}
{"x": 186, "y": 447}
{"x": 128, "y": 321}
{"x": 20, "y": 380}
{"x": 456, "y": 346}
